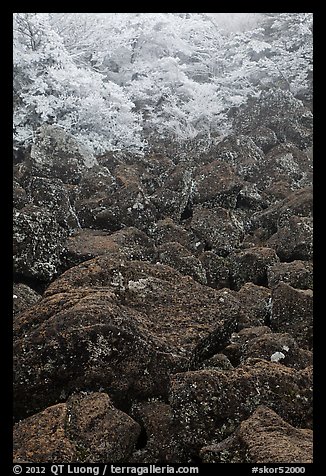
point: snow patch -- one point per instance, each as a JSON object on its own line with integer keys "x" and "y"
{"x": 277, "y": 356}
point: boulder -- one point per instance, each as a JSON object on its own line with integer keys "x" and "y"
{"x": 285, "y": 163}
{"x": 281, "y": 112}
{"x": 96, "y": 181}
{"x": 217, "y": 228}
{"x": 151, "y": 170}
{"x": 276, "y": 347}
{"x": 216, "y": 183}
{"x": 216, "y": 268}
{"x": 299, "y": 203}
{"x": 239, "y": 341}
{"x": 175, "y": 255}
{"x": 124, "y": 326}
{"x": 37, "y": 243}
{"x": 158, "y": 443}
{"x": 242, "y": 153}
{"x": 51, "y": 194}
{"x": 41, "y": 438}
{"x": 255, "y": 305}
{"x": 100, "y": 431}
{"x": 209, "y": 404}
{"x": 129, "y": 242}
{"x": 57, "y": 154}
{"x": 123, "y": 206}
{"x": 262, "y": 439}
{"x": 250, "y": 265}
{"x": 292, "y": 312}
{"x": 250, "y": 199}
{"x": 298, "y": 274}
{"x": 164, "y": 231}
{"x": 23, "y": 297}
{"x": 293, "y": 240}
{"x": 174, "y": 198}
{"x": 85, "y": 429}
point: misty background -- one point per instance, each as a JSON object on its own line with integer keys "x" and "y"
{"x": 128, "y": 81}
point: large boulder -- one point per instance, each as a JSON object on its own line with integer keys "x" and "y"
{"x": 57, "y": 154}
{"x": 41, "y": 438}
{"x": 262, "y": 439}
{"x": 209, "y": 404}
{"x": 164, "y": 231}
{"x": 175, "y": 255}
{"x": 251, "y": 265}
{"x": 216, "y": 183}
{"x": 129, "y": 242}
{"x": 298, "y": 274}
{"x": 273, "y": 347}
{"x": 124, "y": 326}
{"x": 125, "y": 205}
{"x": 99, "y": 430}
{"x": 299, "y": 203}
{"x": 51, "y": 194}
{"x": 85, "y": 429}
{"x": 292, "y": 312}
{"x": 217, "y": 228}
{"x": 284, "y": 164}
{"x": 294, "y": 239}
{"x": 242, "y": 153}
{"x": 37, "y": 243}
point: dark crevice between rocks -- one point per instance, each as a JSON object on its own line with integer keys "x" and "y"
{"x": 195, "y": 459}
{"x": 35, "y": 284}
{"x": 142, "y": 439}
{"x": 207, "y": 246}
{"x": 187, "y": 212}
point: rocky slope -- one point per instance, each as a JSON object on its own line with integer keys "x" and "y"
{"x": 163, "y": 307}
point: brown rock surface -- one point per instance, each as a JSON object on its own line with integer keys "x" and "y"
{"x": 209, "y": 404}
{"x": 250, "y": 265}
{"x": 216, "y": 183}
{"x": 298, "y": 274}
{"x": 292, "y": 312}
{"x": 294, "y": 239}
{"x": 41, "y": 438}
{"x": 263, "y": 438}
{"x": 255, "y": 305}
{"x": 217, "y": 228}
{"x": 87, "y": 428}
{"x": 129, "y": 242}
{"x": 159, "y": 443}
{"x": 175, "y": 255}
{"x": 121, "y": 325}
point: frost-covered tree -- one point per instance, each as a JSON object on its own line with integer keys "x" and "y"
{"x": 50, "y": 87}
{"x": 113, "y": 78}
